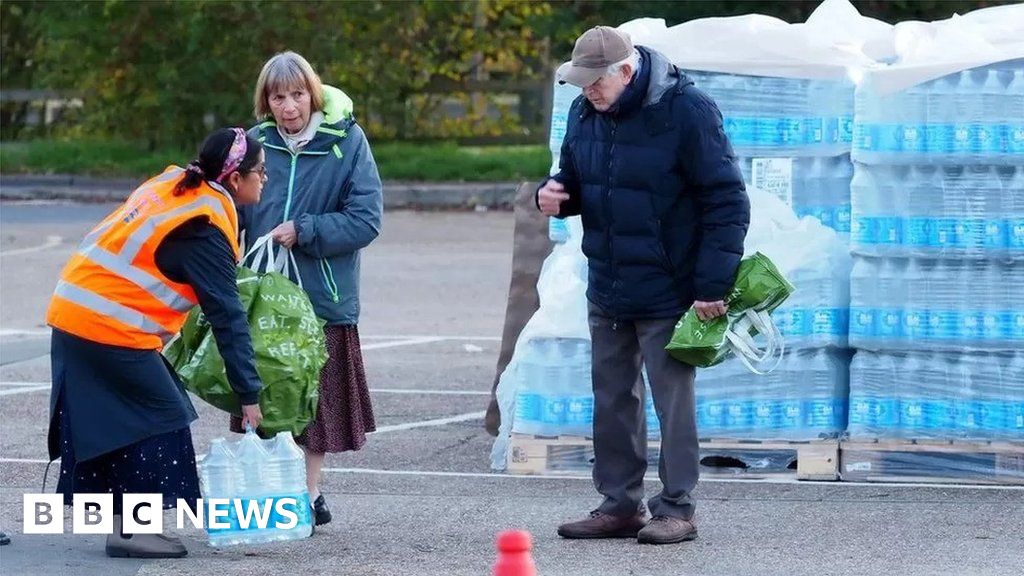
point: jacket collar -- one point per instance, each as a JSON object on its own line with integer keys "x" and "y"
{"x": 633, "y": 96}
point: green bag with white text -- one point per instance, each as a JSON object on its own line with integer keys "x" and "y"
{"x": 289, "y": 346}
{"x": 758, "y": 290}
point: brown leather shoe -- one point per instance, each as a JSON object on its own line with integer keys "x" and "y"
{"x": 601, "y": 525}
{"x": 667, "y": 530}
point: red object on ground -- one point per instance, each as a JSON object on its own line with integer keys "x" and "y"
{"x": 514, "y": 557}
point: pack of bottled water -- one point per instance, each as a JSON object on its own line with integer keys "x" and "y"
{"x": 937, "y": 311}
{"x": 816, "y": 315}
{"x": 804, "y": 398}
{"x": 969, "y": 117}
{"x": 940, "y": 211}
{"x": 264, "y": 482}
{"x": 937, "y": 304}
{"x": 555, "y": 396}
{"x": 936, "y": 395}
{"x": 562, "y": 97}
{"x": 792, "y": 137}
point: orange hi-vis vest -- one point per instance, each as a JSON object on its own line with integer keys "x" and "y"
{"x": 111, "y": 291}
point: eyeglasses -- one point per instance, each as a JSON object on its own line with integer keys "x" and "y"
{"x": 261, "y": 170}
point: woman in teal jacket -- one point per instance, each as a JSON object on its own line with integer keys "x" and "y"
{"x": 323, "y": 201}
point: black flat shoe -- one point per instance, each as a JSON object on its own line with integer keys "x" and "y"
{"x": 4, "y": 540}
{"x": 321, "y": 511}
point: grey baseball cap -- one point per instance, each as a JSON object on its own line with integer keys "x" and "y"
{"x": 596, "y": 50}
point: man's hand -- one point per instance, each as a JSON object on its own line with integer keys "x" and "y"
{"x": 550, "y": 198}
{"x": 252, "y": 416}
{"x": 285, "y": 234}
{"x": 709, "y": 310}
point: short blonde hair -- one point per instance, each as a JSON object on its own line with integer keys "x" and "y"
{"x": 286, "y": 70}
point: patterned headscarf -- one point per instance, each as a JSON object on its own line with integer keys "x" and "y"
{"x": 235, "y": 156}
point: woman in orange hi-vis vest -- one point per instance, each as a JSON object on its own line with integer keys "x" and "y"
{"x": 119, "y": 416}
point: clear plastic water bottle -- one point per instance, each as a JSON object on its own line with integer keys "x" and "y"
{"x": 579, "y": 410}
{"x": 863, "y": 304}
{"x": 827, "y": 390}
{"x": 971, "y": 303}
{"x": 1011, "y": 397}
{"x": 892, "y": 294}
{"x": 913, "y": 129}
{"x": 994, "y": 238}
{"x": 261, "y": 479}
{"x": 873, "y": 404}
{"x": 921, "y": 227}
{"x": 864, "y": 200}
{"x": 916, "y": 313}
{"x": 1014, "y": 111}
{"x": 558, "y": 230}
{"x": 528, "y": 373}
{"x": 840, "y": 177}
{"x": 910, "y": 388}
{"x": 991, "y": 136}
{"x": 968, "y": 116}
{"x": 874, "y": 138}
{"x": 1013, "y": 280}
{"x": 1013, "y": 208}
{"x": 946, "y": 301}
{"x": 941, "y": 115}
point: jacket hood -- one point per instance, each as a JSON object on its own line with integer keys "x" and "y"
{"x": 338, "y": 118}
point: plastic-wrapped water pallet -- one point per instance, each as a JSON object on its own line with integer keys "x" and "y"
{"x": 814, "y": 460}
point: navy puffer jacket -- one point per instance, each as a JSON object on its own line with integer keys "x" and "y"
{"x": 662, "y": 200}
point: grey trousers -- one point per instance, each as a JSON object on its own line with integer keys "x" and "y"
{"x": 620, "y": 430}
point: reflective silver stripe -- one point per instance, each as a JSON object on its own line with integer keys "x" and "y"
{"x": 146, "y": 186}
{"x": 145, "y": 231}
{"x": 101, "y": 305}
{"x": 156, "y": 288}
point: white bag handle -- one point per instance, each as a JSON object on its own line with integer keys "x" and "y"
{"x": 264, "y": 259}
{"x": 742, "y": 344}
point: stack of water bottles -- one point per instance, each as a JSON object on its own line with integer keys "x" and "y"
{"x": 792, "y": 137}
{"x": 260, "y": 473}
{"x": 563, "y": 95}
{"x": 805, "y": 396}
{"x": 937, "y": 286}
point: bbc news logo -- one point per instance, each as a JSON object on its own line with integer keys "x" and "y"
{"x": 143, "y": 513}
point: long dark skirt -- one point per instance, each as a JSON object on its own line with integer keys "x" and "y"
{"x": 344, "y": 413}
{"x": 164, "y": 464}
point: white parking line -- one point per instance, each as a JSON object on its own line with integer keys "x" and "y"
{"x": 407, "y": 342}
{"x": 440, "y": 336}
{"x": 23, "y": 390}
{"x": 51, "y": 241}
{"x": 651, "y": 476}
{"x": 29, "y": 332}
{"x": 431, "y": 423}
{"x": 432, "y": 392}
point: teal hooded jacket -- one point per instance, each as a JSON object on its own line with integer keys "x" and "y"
{"x": 332, "y": 191}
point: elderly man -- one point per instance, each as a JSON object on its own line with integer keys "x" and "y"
{"x": 646, "y": 164}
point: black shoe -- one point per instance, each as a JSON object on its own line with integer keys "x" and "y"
{"x": 4, "y": 540}
{"x": 321, "y": 511}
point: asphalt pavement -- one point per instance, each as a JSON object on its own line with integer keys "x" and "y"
{"x": 420, "y": 498}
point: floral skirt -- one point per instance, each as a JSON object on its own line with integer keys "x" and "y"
{"x": 344, "y": 414}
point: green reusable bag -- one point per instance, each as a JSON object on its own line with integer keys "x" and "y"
{"x": 758, "y": 290}
{"x": 289, "y": 345}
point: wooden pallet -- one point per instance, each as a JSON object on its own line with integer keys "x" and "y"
{"x": 945, "y": 462}
{"x": 815, "y": 460}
